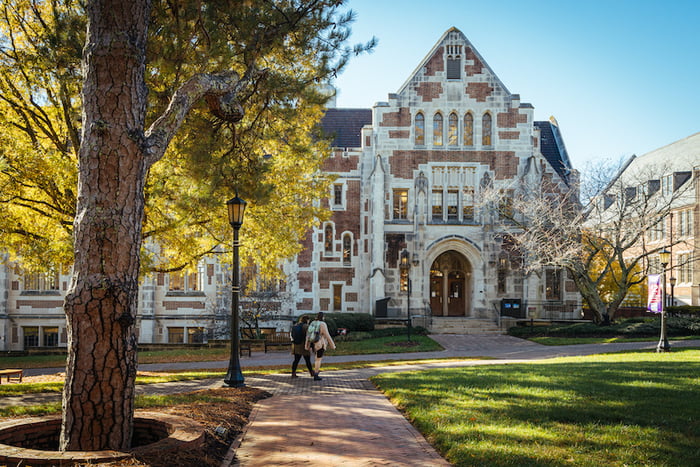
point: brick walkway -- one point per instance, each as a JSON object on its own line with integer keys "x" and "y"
{"x": 341, "y": 420}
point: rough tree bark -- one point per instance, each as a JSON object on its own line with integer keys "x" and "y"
{"x": 115, "y": 154}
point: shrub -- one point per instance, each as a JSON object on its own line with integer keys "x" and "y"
{"x": 387, "y": 332}
{"x": 686, "y": 310}
{"x": 633, "y": 327}
{"x": 354, "y": 322}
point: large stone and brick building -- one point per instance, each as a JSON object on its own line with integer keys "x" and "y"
{"x": 409, "y": 176}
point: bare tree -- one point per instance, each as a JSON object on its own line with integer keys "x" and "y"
{"x": 606, "y": 240}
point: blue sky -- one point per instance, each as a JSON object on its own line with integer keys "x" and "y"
{"x": 621, "y": 77}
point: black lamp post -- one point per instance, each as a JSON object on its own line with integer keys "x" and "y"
{"x": 664, "y": 259}
{"x": 405, "y": 266}
{"x": 672, "y": 300}
{"x": 234, "y": 376}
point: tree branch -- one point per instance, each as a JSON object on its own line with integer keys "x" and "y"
{"x": 220, "y": 91}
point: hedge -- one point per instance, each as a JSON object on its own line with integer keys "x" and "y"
{"x": 633, "y": 327}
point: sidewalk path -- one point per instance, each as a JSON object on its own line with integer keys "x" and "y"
{"x": 343, "y": 419}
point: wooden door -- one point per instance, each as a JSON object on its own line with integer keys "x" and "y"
{"x": 455, "y": 289}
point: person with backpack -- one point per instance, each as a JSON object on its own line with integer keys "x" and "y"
{"x": 299, "y": 346}
{"x": 317, "y": 339}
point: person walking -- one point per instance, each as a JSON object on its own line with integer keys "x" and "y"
{"x": 299, "y": 346}
{"x": 317, "y": 340}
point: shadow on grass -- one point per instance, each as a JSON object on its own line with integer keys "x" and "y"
{"x": 574, "y": 412}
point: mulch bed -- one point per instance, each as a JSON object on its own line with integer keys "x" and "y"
{"x": 223, "y": 421}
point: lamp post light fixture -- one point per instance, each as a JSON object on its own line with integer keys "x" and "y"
{"x": 234, "y": 376}
{"x": 664, "y": 259}
{"x": 405, "y": 266}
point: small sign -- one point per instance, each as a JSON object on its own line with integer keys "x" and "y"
{"x": 654, "y": 303}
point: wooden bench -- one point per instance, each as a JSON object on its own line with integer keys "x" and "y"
{"x": 278, "y": 339}
{"x": 11, "y": 373}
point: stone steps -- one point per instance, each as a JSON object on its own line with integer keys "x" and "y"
{"x": 459, "y": 325}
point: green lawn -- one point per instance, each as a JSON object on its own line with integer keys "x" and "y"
{"x": 600, "y": 340}
{"x": 603, "y": 410}
{"x": 392, "y": 344}
{"x": 363, "y": 347}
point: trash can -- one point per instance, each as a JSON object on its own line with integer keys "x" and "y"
{"x": 512, "y": 307}
{"x": 380, "y": 311}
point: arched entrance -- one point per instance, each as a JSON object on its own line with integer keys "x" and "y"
{"x": 450, "y": 285}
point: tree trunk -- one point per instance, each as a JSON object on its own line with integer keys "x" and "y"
{"x": 589, "y": 291}
{"x": 101, "y": 303}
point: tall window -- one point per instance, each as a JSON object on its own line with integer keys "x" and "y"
{"x": 337, "y": 297}
{"x": 505, "y": 204}
{"x": 452, "y": 130}
{"x": 338, "y": 194}
{"x": 469, "y": 130}
{"x": 328, "y": 239}
{"x": 685, "y": 265}
{"x": 419, "y": 129}
{"x": 31, "y": 336}
{"x": 685, "y": 223}
{"x": 553, "y": 284}
{"x": 40, "y": 281}
{"x": 176, "y": 335}
{"x": 437, "y": 205}
{"x": 658, "y": 230}
{"x": 502, "y": 275}
{"x": 196, "y": 335}
{"x": 486, "y": 130}
{"x": 453, "y": 205}
{"x": 468, "y": 204}
{"x": 51, "y": 337}
{"x": 347, "y": 249}
{"x": 400, "y": 204}
{"x": 437, "y": 129}
{"x": 183, "y": 281}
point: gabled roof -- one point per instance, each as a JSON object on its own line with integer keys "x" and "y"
{"x": 443, "y": 40}
{"x": 553, "y": 149}
{"x": 345, "y": 126}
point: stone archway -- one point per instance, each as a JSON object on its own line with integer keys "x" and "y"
{"x": 451, "y": 285}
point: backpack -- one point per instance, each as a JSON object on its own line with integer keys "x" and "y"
{"x": 298, "y": 333}
{"x": 314, "y": 332}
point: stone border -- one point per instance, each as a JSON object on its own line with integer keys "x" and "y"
{"x": 170, "y": 433}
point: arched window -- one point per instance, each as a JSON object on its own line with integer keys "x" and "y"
{"x": 437, "y": 129}
{"x": 419, "y": 129}
{"x": 469, "y": 130}
{"x": 347, "y": 249}
{"x": 486, "y": 130}
{"x": 452, "y": 130}
{"x": 328, "y": 239}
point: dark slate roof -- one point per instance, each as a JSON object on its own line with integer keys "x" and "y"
{"x": 553, "y": 149}
{"x": 345, "y": 126}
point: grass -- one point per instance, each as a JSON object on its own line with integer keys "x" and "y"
{"x": 363, "y": 347}
{"x": 548, "y": 340}
{"x": 638, "y": 408}
{"x": 385, "y": 345}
